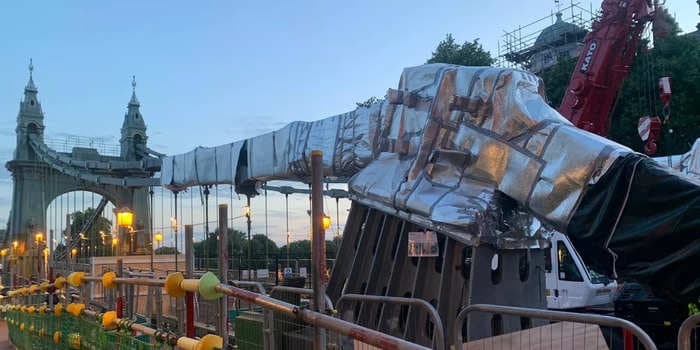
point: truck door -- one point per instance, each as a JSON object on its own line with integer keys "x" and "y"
{"x": 570, "y": 280}
{"x": 550, "y": 274}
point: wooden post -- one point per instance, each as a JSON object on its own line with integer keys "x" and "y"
{"x": 222, "y": 326}
{"x": 189, "y": 273}
{"x": 318, "y": 244}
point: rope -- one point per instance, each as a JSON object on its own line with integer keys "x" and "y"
{"x": 619, "y": 215}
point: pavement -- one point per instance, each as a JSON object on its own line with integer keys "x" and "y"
{"x": 5, "y": 338}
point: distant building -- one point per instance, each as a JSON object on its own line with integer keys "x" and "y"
{"x": 536, "y": 48}
{"x": 560, "y": 40}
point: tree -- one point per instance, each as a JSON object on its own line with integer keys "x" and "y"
{"x": 60, "y": 250}
{"x": 367, "y": 103}
{"x": 207, "y": 249}
{"x": 259, "y": 242}
{"x": 467, "y": 54}
{"x": 302, "y": 249}
{"x": 676, "y": 56}
{"x": 166, "y": 250}
{"x": 333, "y": 246}
{"x": 556, "y": 78}
{"x": 95, "y": 239}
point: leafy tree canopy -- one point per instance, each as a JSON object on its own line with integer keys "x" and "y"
{"x": 466, "y": 54}
{"x": 673, "y": 55}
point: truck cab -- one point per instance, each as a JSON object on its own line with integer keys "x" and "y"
{"x": 569, "y": 282}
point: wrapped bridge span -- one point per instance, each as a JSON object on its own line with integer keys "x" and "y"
{"x": 478, "y": 156}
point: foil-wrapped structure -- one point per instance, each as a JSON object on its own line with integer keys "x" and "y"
{"x": 436, "y": 151}
{"x": 475, "y": 153}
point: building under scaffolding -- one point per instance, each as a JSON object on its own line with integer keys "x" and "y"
{"x": 540, "y": 44}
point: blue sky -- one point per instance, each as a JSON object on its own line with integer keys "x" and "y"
{"x": 212, "y": 72}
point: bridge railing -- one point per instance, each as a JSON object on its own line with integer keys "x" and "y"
{"x": 570, "y": 331}
{"x": 66, "y": 143}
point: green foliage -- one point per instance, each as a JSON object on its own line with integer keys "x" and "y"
{"x": 556, "y": 79}
{"x": 166, "y": 250}
{"x": 366, "y": 104}
{"x": 93, "y": 237}
{"x": 260, "y": 242}
{"x": 209, "y": 247}
{"x": 679, "y": 58}
{"x": 467, "y": 54}
{"x": 676, "y": 56}
{"x": 302, "y": 249}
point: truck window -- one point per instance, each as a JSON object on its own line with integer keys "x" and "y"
{"x": 548, "y": 260}
{"x": 568, "y": 271}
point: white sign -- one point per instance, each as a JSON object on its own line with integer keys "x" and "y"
{"x": 302, "y": 272}
{"x": 423, "y": 243}
{"x": 263, "y": 273}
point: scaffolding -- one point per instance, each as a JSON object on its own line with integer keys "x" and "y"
{"x": 517, "y": 46}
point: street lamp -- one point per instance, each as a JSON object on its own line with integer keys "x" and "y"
{"x": 159, "y": 238}
{"x": 326, "y": 220}
{"x": 115, "y": 240}
{"x": 289, "y": 240}
{"x": 125, "y": 220}
{"x": 247, "y": 212}
{"x": 38, "y": 240}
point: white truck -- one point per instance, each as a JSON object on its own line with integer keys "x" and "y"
{"x": 569, "y": 282}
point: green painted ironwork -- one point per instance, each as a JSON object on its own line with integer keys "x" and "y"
{"x": 38, "y": 331}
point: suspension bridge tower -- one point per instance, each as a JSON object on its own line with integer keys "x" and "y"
{"x": 41, "y": 174}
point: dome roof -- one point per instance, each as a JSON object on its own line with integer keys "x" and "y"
{"x": 559, "y": 33}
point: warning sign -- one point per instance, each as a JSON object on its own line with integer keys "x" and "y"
{"x": 423, "y": 243}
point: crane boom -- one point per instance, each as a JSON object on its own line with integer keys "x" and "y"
{"x": 604, "y": 63}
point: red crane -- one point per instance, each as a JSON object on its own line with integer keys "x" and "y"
{"x": 605, "y": 61}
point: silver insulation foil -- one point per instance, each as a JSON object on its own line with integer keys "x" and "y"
{"x": 472, "y": 152}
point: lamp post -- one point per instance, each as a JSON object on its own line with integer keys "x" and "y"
{"x": 247, "y": 213}
{"x": 38, "y": 239}
{"x": 173, "y": 223}
{"x": 326, "y": 221}
{"x": 13, "y": 257}
{"x": 159, "y": 238}
{"x": 156, "y": 238}
{"x": 5, "y": 267}
{"x": 115, "y": 241}
{"x": 125, "y": 219}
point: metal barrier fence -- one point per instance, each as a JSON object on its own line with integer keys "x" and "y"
{"x": 574, "y": 331}
{"x": 294, "y": 327}
{"x": 268, "y": 324}
{"x": 687, "y": 332}
{"x": 439, "y": 333}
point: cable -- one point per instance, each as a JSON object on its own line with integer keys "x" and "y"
{"x": 267, "y": 235}
{"x": 230, "y": 254}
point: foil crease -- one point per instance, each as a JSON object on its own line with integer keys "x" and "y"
{"x": 687, "y": 164}
{"x": 474, "y": 152}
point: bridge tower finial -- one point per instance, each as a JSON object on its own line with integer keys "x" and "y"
{"x": 134, "y": 136}
{"x": 134, "y": 101}
{"x": 30, "y": 84}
